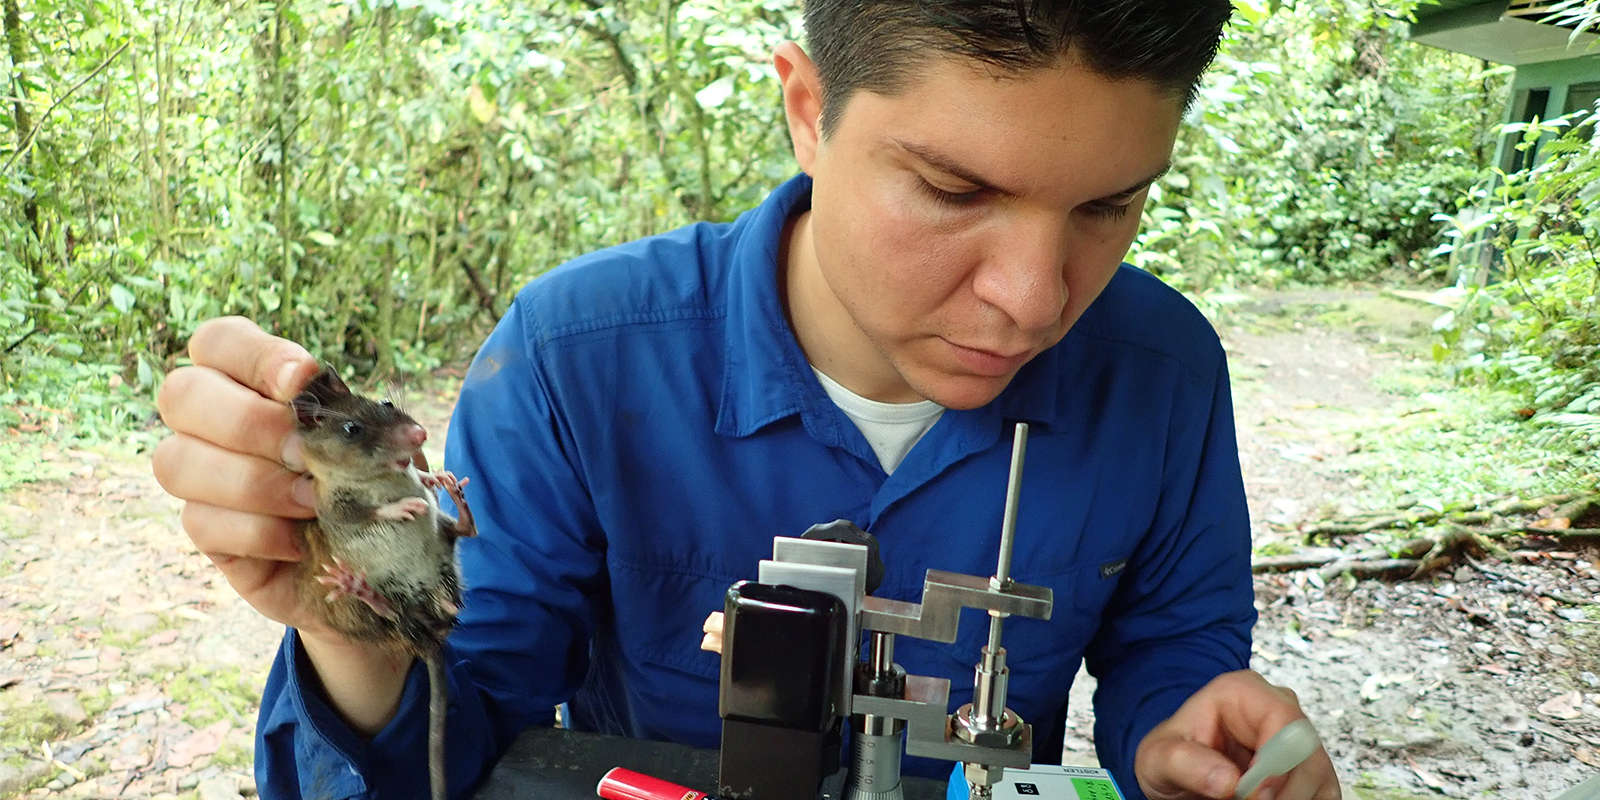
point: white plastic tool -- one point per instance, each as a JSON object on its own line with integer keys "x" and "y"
{"x": 1283, "y": 752}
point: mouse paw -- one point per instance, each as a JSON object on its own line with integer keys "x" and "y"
{"x": 443, "y": 479}
{"x": 464, "y": 526}
{"x": 342, "y": 581}
{"x": 403, "y": 510}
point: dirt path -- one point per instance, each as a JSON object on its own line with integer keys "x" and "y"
{"x": 1413, "y": 696}
{"x": 123, "y": 649}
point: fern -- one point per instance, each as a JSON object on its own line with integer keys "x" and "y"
{"x": 1582, "y": 431}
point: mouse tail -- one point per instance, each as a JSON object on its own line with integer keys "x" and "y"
{"x": 438, "y": 708}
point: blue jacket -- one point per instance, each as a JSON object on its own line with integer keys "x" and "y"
{"x": 642, "y": 423}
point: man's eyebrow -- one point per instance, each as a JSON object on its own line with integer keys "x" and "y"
{"x": 1141, "y": 185}
{"x": 946, "y": 164}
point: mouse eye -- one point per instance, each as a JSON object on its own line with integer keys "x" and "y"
{"x": 352, "y": 430}
{"x": 386, "y": 403}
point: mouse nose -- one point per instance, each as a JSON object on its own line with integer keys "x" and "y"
{"x": 415, "y": 435}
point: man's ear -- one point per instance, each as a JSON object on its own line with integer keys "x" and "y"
{"x": 802, "y": 101}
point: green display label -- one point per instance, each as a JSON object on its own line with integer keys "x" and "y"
{"x": 1095, "y": 789}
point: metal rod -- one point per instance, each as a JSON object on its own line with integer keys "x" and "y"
{"x": 880, "y": 654}
{"x": 1008, "y": 528}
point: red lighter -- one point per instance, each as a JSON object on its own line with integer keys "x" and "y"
{"x": 625, "y": 784}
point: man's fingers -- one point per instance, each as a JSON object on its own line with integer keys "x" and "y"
{"x": 1312, "y": 780}
{"x": 196, "y": 470}
{"x": 267, "y": 585}
{"x": 1189, "y": 768}
{"x": 208, "y": 404}
{"x": 1258, "y": 709}
{"x": 275, "y": 368}
{"x": 712, "y": 628}
{"x": 223, "y": 532}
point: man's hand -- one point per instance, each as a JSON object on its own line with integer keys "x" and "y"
{"x": 1202, "y": 750}
{"x": 234, "y": 457}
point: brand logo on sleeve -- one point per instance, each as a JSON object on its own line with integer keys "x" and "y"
{"x": 1111, "y": 569}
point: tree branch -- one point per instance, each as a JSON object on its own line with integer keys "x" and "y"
{"x": 33, "y": 132}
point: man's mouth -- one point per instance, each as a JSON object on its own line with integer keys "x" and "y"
{"x": 989, "y": 363}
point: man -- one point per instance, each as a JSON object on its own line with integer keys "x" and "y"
{"x": 646, "y": 418}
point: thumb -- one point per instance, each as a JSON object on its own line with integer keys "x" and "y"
{"x": 1183, "y": 767}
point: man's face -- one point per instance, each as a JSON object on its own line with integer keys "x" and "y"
{"x": 961, "y": 227}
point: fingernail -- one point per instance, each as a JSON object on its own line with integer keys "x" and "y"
{"x": 1217, "y": 783}
{"x": 286, "y": 377}
{"x": 294, "y": 453}
{"x": 303, "y": 493}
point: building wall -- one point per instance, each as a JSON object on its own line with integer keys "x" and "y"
{"x": 1558, "y": 77}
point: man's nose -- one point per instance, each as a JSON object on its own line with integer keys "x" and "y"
{"x": 1024, "y": 275}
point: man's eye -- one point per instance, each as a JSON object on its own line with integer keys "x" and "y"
{"x": 958, "y": 199}
{"x": 1108, "y": 210}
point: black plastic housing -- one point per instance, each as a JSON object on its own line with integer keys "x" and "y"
{"x": 781, "y": 654}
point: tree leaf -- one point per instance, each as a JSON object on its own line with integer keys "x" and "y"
{"x": 121, "y": 298}
{"x": 716, "y": 93}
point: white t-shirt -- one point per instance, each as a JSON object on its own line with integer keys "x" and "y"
{"x": 891, "y": 428}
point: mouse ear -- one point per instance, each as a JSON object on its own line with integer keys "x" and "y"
{"x": 324, "y": 390}
{"x": 308, "y": 413}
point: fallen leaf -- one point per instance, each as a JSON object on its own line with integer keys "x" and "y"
{"x": 1296, "y": 641}
{"x": 9, "y": 629}
{"x": 1372, "y": 687}
{"x": 82, "y": 666}
{"x": 1427, "y": 777}
{"x": 1587, "y": 756}
{"x": 203, "y": 742}
{"x": 165, "y": 637}
{"x": 1476, "y": 614}
{"x": 1563, "y": 706}
{"x": 1551, "y": 524}
{"x": 1495, "y": 669}
{"x": 191, "y": 613}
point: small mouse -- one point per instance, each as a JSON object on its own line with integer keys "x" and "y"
{"x": 380, "y": 561}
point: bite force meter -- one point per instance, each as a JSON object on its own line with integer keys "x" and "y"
{"x": 792, "y": 670}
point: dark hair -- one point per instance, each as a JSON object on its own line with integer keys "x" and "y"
{"x": 873, "y": 45}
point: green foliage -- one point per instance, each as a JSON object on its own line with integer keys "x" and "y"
{"x": 1460, "y": 444}
{"x": 1536, "y": 326}
{"x": 23, "y": 460}
{"x": 1319, "y": 150}
{"x": 374, "y": 178}
{"x": 210, "y": 694}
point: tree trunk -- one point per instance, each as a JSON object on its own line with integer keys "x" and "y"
{"x": 283, "y": 127}
{"x": 31, "y": 251}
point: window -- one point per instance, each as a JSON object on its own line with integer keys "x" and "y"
{"x": 1531, "y": 106}
{"x": 1582, "y": 97}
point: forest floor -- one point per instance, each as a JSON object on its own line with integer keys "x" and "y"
{"x": 129, "y": 668}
